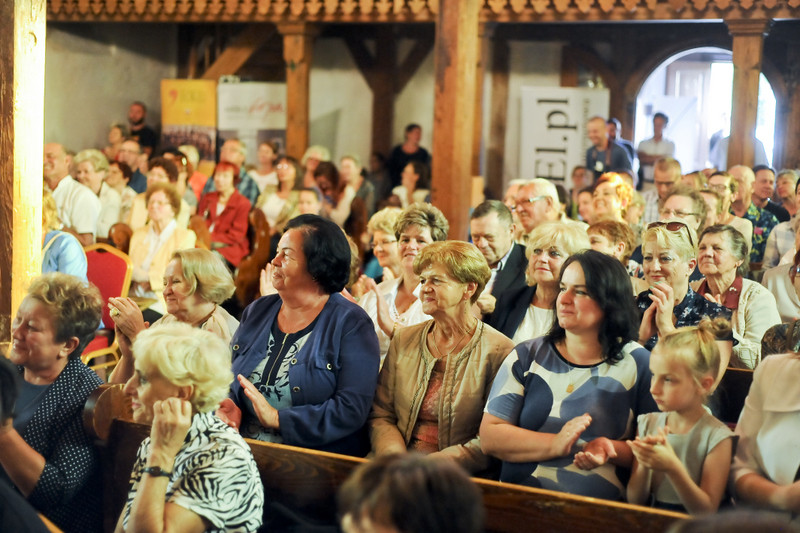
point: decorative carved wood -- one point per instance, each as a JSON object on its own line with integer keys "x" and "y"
{"x": 412, "y": 10}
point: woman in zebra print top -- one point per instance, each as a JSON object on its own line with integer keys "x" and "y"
{"x": 193, "y": 471}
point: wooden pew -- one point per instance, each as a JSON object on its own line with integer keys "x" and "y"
{"x": 304, "y": 482}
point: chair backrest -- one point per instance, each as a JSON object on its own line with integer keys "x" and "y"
{"x": 110, "y": 270}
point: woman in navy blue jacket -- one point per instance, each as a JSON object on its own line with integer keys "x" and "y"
{"x": 306, "y": 359}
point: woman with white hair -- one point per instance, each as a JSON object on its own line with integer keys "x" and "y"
{"x": 92, "y": 169}
{"x": 193, "y": 470}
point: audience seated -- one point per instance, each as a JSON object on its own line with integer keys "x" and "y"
{"x": 670, "y": 256}
{"x": 234, "y": 151}
{"x": 196, "y": 283}
{"x": 15, "y": 513}
{"x": 193, "y": 472}
{"x": 727, "y": 187}
{"x": 61, "y": 251}
{"x": 394, "y": 303}
{"x": 78, "y": 207}
{"x": 413, "y": 184}
{"x": 313, "y": 156}
{"x": 722, "y": 258}
{"x": 265, "y": 174}
{"x": 152, "y": 246}
{"x": 437, "y": 374}
{"x": 337, "y": 194}
{"x": 306, "y": 358}
{"x": 44, "y": 452}
{"x": 279, "y": 201}
{"x": 92, "y": 169}
{"x": 118, "y": 178}
{"x": 161, "y": 171}
{"x": 562, "y": 405}
{"x": 782, "y": 241}
{"x": 764, "y": 471}
{"x": 611, "y": 197}
{"x": 743, "y": 206}
{"x": 225, "y": 212}
{"x": 617, "y": 239}
{"x": 353, "y": 175}
{"x": 528, "y": 312}
{"x": 784, "y": 284}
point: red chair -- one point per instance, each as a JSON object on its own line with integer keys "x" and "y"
{"x": 110, "y": 270}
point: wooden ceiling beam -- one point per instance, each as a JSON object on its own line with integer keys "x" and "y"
{"x": 236, "y": 54}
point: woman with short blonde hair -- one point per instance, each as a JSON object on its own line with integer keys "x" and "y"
{"x": 437, "y": 374}
{"x": 527, "y": 313}
{"x": 91, "y": 171}
{"x": 669, "y": 250}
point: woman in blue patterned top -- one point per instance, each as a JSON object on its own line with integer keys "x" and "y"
{"x": 562, "y": 405}
{"x": 669, "y": 250}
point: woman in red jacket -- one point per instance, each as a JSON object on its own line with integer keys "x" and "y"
{"x": 225, "y": 211}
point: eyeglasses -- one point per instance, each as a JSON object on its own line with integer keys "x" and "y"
{"x": 383, "y": 243}
{"x": 719, "y": 187}
{"x": 524, "y": 201}
{"x": 676, "y": 213}
{"x": 674, "y": 226}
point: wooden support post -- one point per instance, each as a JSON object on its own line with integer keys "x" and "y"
{"x": 484, "y": 43}
{"x": 455, "y": 57}
{"x": 790, "y": 149}
{"x": 498, "y": 117}
{"x": 384, "y": 90}
{"x": 22, "y": 38}
{"x": 298, "y": 47}
{"x": 748, "y": 45}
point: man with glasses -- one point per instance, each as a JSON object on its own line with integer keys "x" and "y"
{"x": 763, "y": 221}
{"x": 537, "y": 203}
{"x": 492, "y": 230}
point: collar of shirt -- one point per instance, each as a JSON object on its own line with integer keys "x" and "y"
{"x": 731, "y": 299}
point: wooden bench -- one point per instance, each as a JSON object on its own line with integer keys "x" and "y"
{"x": 304, "y": 482}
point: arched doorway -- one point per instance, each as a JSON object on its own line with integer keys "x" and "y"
{"x": 693, "y": 88}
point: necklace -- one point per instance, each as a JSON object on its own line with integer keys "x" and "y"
{"x": 436, "y": 346}
{"x": 277, "y": 357}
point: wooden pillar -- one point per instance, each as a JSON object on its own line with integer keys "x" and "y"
{"x": 748, "y": 45}
{"x": 498, "y": 116}
{"x": 455, "y": 57}
{"x": 790, "y": 147}
{"x": 484, "y": 36}
{"x": 384, "y": 90}
{"x": 22, "y": 37}
{"x": 298, "y": 47}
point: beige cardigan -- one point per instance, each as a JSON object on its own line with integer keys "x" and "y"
{"x": 467, "y": 381}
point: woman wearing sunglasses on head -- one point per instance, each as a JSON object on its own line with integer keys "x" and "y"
{"x": 669, "y": 250}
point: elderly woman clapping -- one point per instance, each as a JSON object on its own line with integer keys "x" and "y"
{"x": 723, "y": 250}
{"x": 193, "y": 471}
{"x": 306, "y": 358}
{"x": 196, "y": 282}
{"x": 437, "y": 374}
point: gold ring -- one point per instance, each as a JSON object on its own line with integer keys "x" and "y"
{"x": 114, "y": 312}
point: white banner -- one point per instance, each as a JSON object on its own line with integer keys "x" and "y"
{"x": 252, "y": 112}
{"x": 553, "y": 132}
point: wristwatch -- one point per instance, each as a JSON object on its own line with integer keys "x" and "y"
{"x": 156, "y": 471}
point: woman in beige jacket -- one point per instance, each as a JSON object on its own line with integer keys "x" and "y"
{"x": 437, "y": 375}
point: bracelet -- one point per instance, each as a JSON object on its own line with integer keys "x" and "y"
{"x": 156, "y": 471}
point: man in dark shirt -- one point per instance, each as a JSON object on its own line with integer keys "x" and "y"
{"x": 141, "y": 132}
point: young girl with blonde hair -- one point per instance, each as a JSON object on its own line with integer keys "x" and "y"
{"x": 682, "y": 455}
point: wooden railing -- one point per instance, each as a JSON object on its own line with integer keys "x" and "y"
{"x": 412, "y": 10}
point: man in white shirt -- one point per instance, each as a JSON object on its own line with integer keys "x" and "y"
{"x": 652, "y": 149}
{"x": 78, "y": 207}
